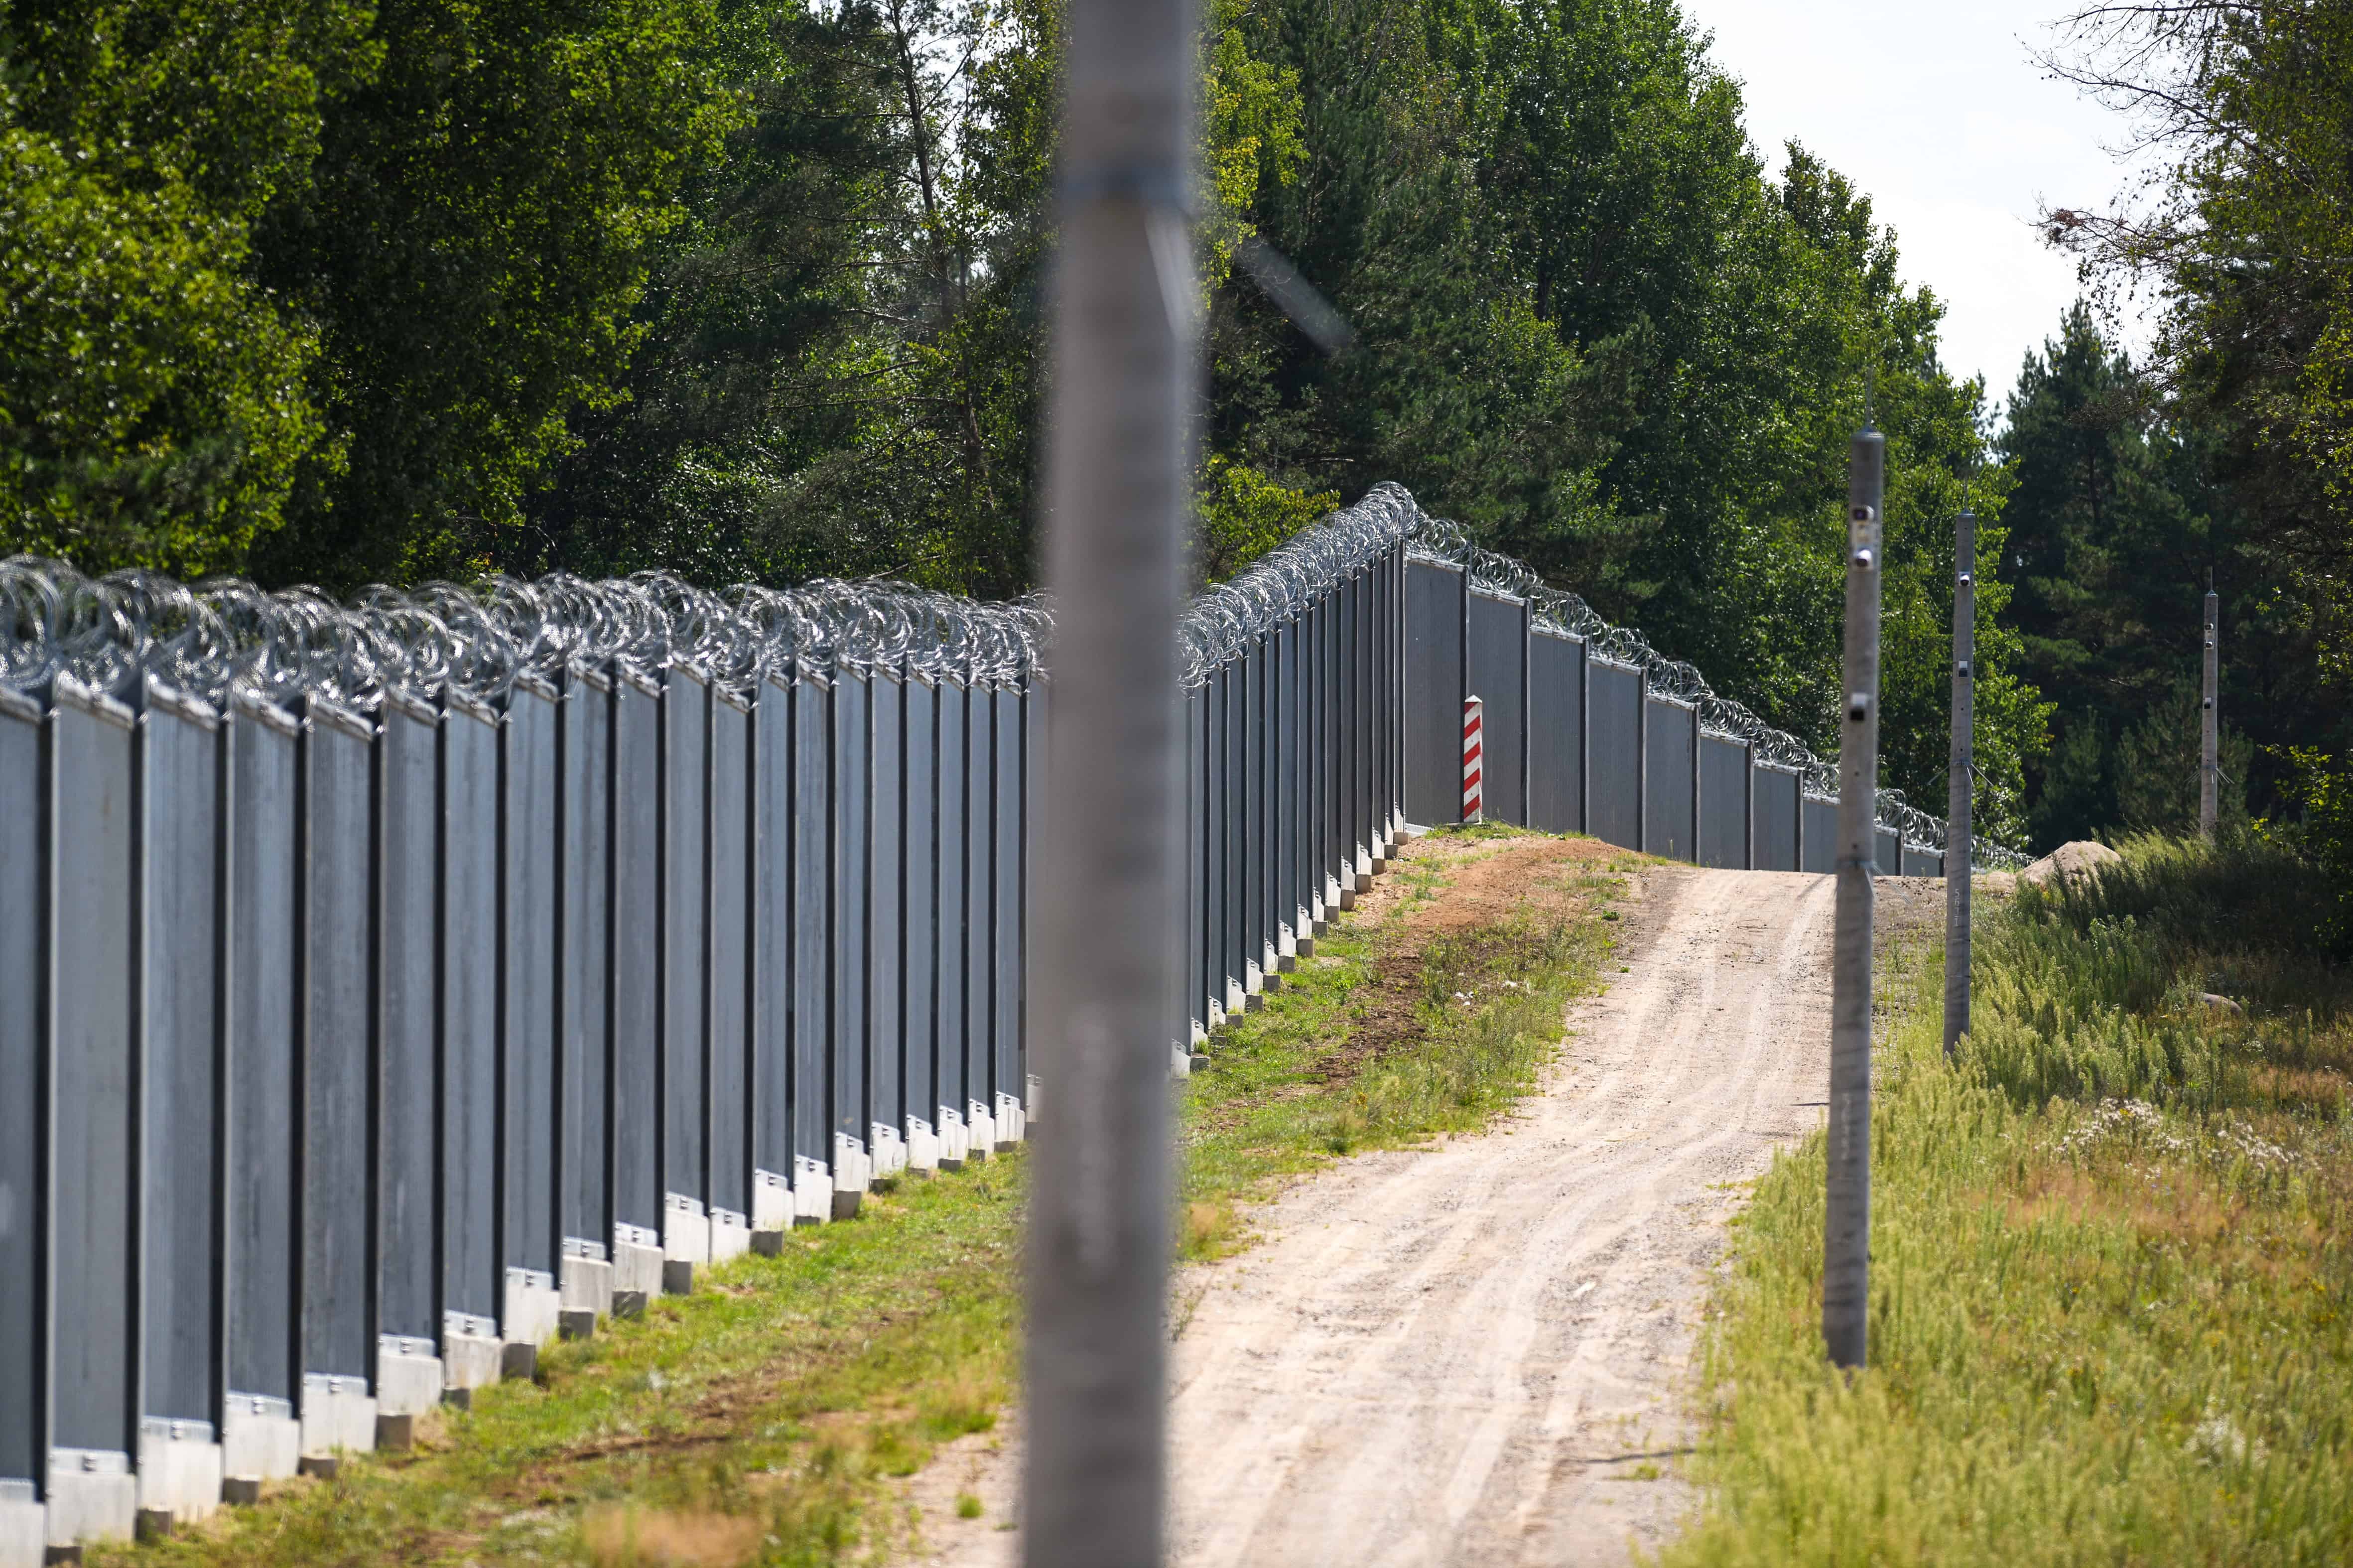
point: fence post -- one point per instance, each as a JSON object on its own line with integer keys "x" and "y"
{"x": 2210, "y": 734}
{"x": 1118, "y": 476}
{"x": 1960, "y": 783}
{"x": 1846, "y": 1262}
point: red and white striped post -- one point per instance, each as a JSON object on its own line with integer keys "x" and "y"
{"x": 1474, "y": 728}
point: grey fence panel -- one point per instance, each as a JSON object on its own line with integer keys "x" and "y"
{"x": 636, "y": 1078}
{"x": 810, "y": 984}
{"x": 920, "y": 918}
{"x": 265, "y": 1072}
{"x": 530, "y": 819}
{"x": 182, "y": 805}
{"x": 1238, "y": 917}
{"x": 24, "y": 962}
{"x": 1776, "y": 815}
{"x": 1555, "y": 731}
{"x": 1889, "y": 853}
{"x": 853, "y": 826}
{"x": 1288, "y": 887}
{"x": 1258, "y": 802}
{"x": 93, "y": 1066}
{"x": 1331, "y": 770}
{"x": 585, "y": 870}
{"x": 1354, "y": 750}
{"x": 979, "y": 885}
{"x": 773, "y": 835}
{"x": 1817, "y": 834}
{"x": 470, "y": 1272}
{"x": 886, "y": 912}
{"x": 1723, "y": 802}
{"x": 1005, "y": 1032}
{"x": 954, "y": 787}
{"x": 1495, "y": 637}
{"x": 1434, "y": 611}
{"x": 1216, "y": 943}
{"x": 1669, "y": 801}
{"x": 409, "y": 1297}
{"x": 337, "y": 1067}
{"x": 1198, "y": 943}
{"x": 728, "y": 1184}
{"x": 685, "y": 926}
{"x": 1613, "y": 762}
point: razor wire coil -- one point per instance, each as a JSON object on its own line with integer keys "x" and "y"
{"x": 225, "y": 640}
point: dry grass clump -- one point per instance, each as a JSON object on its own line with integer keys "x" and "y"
{"x": 627, "y": 1536}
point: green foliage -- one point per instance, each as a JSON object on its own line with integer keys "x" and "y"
{"x": 155, "y": 402}
{"x": 753, "y": 288}
{"x": 2104, "y": 1328}
{"x": 1244, "y": 514}
{"x": 471, "y": 240}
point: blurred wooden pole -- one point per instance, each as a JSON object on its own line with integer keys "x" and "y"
{"x": 1125, "y": 372}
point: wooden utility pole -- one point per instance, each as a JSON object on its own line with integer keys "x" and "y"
{"x": 2210, "y": 733}
{"x": 1125, "y": 380}
{"x": 1846, "y": 1231}
{"x": 1960, "y": 783}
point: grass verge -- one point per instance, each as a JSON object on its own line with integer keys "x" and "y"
{"x": 2112, "y": 1303}
{"x": 753, "y": 1421}
{"x": 762, "y": 1418}
{"x": 1428, "y": 1013}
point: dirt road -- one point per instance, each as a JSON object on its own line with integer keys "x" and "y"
{"x": 1478, "y": 1352}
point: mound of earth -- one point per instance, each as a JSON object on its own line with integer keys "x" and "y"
{"x": 2082, "y": 859}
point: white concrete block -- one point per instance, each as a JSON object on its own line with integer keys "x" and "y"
{"x": 92, "y": 1497}
{"x": 955, "y": 1138}
{"x": 1180, "y": 1062}
{"x": 853, "y": 1170}
{"x": 23, "y": 1538}
{"x": 528, "y": 1315}
{"x": 772, "y": 1201}
{"x": 338, "y": 1416}
{"x": 637, "y": 1261}
{"x": 1012, "y": 1126}
{"x": 407, "y": 1376}
{"x": 470, "y": 1351}
{"x": 686, "y": 1230}
{"x": 923, "y": 1145}
{"x": 812, "y": 1191}
{"x": 1364, "y": 866}
{"x": 980, "y": 1125}
{"x": 179, "y": 1469}
{"x": 586, "y": 1285}
{"x": 890, "y": 1150}
{"x": 1029, "y": 1105}
{"x": 1237, "y": 997}
{"x": 260, "y": 1438}
{"x": 731, "y": 1235}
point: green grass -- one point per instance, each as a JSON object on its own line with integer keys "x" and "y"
{"x": 1385, "y": 1038}
{"x": 761, "y": 1419}
{"x": 2112, "y": 1313}
{"x": 754, "y": 1419}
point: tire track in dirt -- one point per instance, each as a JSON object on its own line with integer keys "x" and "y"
{"x": 1480, "y": 1351}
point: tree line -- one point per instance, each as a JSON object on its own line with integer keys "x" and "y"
{"x": 329, "y": 291}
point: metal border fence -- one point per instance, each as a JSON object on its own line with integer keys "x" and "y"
{"x": 386, "y": 988}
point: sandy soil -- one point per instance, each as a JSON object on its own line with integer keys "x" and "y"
{"x": 1480, "y": 1353}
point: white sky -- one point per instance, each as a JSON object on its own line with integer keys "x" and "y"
{"x": 1940, "y": 114}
